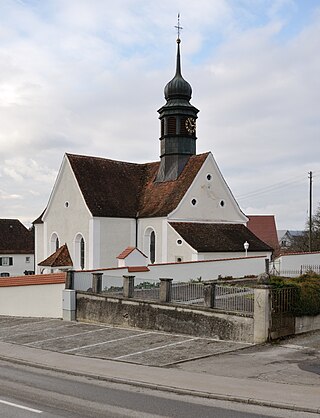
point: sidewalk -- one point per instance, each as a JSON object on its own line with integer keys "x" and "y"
{"x": 294, "y": 397}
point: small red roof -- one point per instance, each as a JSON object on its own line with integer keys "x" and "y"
{"x": 137, "y": 269}
{"x": 60, "y": 258}
{"x": 128, "y": 251}
{"x": 31, "y": 280}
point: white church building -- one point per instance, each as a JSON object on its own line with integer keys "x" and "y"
{"x": 174, "y": 210}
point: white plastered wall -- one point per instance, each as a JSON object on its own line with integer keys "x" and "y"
{"x": 32, "y": 301}
{"x": 116, "y": 234}
{"x": 214, "y": 200}
{"x": 67, "y": 215}
{"x": 159, "y": 226}
{"x": 175, "y": 250}
{"x": 224, "y": 255}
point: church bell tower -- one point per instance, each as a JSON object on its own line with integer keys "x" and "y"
{"x": 177, "y": 125}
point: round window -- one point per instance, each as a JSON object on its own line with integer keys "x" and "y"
{"x": 209, "y": 177}
{"x": 179, "y": 241}
{"x": 194, "y": 202}
{"x": 222, "y": 203}
{"x": 66, "y": 204}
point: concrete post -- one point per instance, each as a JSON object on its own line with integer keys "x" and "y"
{"x": 262, "y": 314}
{"x": 70, "y": 279}
{"x": 267, "y": 265}
{"x": 165, "y": 289}
{"x": 97, "y": 282}
{"x": 209, "y": 292}
{"x": 68, "y": 305}
{"x": 128, "y": 286}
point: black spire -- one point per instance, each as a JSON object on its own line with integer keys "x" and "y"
{"x": 178, "y": 124}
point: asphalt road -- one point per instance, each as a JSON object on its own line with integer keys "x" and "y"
{"x": 28, "y": 392}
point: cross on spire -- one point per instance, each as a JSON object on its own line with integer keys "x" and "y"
{"x": 178, "y": 27}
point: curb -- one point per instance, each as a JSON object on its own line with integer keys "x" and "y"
{"x": 207, "y": 395}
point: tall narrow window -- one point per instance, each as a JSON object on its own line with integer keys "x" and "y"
{"x": 152, "y": 247}
{"x": 57, "y": 243}
{"x": 54, "y": 243}
{"x": 82, "y": 253}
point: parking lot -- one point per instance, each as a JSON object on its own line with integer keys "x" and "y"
{"x": 112, "y": 343}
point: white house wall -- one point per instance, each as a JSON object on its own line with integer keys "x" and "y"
{"x": 175, "y": 250}
{"x": 214, "y": 200}
{"x": 67, "y": 215}
{"x": 39, "y": 244}
{"x": 159, "y": 226}
{"x": 295, "y": 261}
{"x": 19, "y": 266}
{"x": 116, "y": 234}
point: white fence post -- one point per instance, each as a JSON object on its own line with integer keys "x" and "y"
{"x": 262, "y": 314}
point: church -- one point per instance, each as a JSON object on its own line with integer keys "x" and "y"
{"x": 174, "y": 210}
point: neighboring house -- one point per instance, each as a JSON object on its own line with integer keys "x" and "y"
{"x": 16, "y": 248}
{"x": 264, "y": 227}
{"x": 286, "y": 238}
{"x": 99, "y": 207}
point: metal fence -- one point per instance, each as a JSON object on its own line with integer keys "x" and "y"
{"x": 234, "y": 298}
{"x": 304, "y": 268}
{"x": 188, "y": 293}
{"x": 283, "y": 300}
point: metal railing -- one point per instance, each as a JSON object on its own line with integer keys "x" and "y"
{"x": 234, "y": 298}
{"x": 188, "y": 293}
{"x": 283, "y": 300}
{"x": 304, "y": 268}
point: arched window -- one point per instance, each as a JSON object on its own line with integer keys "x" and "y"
{"x": 152, "y": 247}
{"x": 54, "y": 243}
{"x": 149, "y": 244}
{"x": 79, "y": 252}
{"x": 82, "y": 253}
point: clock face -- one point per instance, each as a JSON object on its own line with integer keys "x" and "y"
{"x": 190, "y": 125}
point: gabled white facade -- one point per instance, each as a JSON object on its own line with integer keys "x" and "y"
{"x": 208, "y": 199}
{"x": 67, "y": 219}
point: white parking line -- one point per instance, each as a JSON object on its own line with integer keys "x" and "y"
{"x": 153, "y": 349}
{"x": 66, "y": 336}
{"x": 105, "y": 342}
{"x": 15, "y": 405}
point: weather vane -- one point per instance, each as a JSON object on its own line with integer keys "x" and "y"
{"x": 178, "y": 27}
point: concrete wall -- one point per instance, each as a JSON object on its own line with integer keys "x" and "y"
{"x": 307, "y": 324}
{"x": 164, "y": 317}
{"x": 19, "y": 264}
{"x": 32, "y": 301}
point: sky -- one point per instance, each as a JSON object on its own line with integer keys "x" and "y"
{"x": 87, "y": 77}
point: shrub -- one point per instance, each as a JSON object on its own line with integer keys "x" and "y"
{"x": 308, "y": 292}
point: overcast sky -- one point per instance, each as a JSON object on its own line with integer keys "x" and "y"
{"x": 87, "y": 77}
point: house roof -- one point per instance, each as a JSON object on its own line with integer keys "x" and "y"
{"x": 60, "y": 258}
{"x": 205, "y": 237}
{"x": 128, "y": 251}
{"x": 15, "y": 238}
{"x": 264, "y": 227}
{"x": 120, "y": 189}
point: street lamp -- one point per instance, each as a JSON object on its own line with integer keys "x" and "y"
{"x": 246, "y": 246}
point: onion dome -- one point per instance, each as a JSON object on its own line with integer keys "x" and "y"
{"x": 178, "y": 87}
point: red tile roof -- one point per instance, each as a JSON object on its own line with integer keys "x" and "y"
{"x": 15, "y": 238}
{"x": 137, "y": 269}
{"x": 205, "y": 237}
{"x": 121, "y": 189}
{"x": 264, "y": 227}
{"x": 32, "y": 280}
{"x": 60, "y": 258}
{"x": 128, "y": 251}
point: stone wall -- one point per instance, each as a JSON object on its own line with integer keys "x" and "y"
{"x": 307, "y": 323}
{"x": 197, "y": 321}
